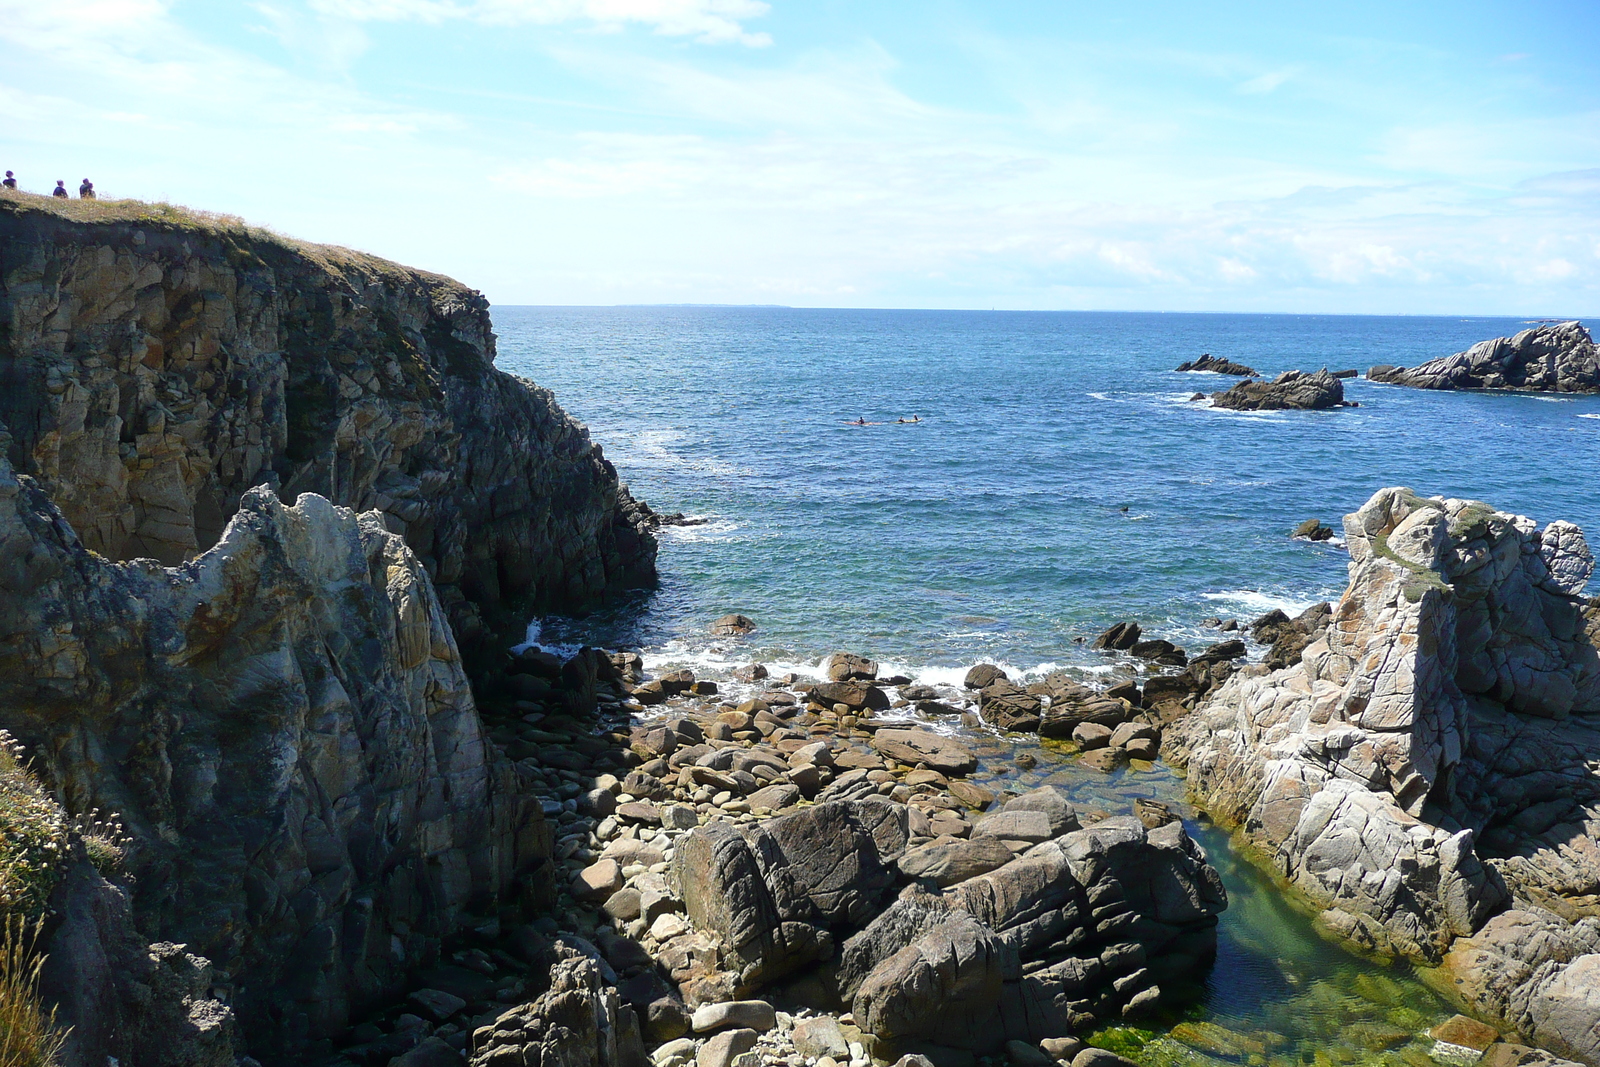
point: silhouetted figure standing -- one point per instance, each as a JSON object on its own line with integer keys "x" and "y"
{"x": 61, "y": 191}
{"x": 86, "y": 190}
{"x": 11, "y": 180}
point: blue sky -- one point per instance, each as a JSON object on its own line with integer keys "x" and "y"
{"x": 1317, "y": 157}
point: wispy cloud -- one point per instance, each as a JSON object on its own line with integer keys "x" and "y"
{"x": 708, "y": 21}
{"x": 1264, "y": 83}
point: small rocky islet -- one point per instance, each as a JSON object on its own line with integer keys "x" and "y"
{"x": 353, "y": 830}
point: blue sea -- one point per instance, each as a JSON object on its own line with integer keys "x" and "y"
{"x": 1060, "y": 479}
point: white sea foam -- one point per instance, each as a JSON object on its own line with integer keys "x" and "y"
{"x": 1100, "y": 396}
{"x": 1260, "y": 603}
{"x": 718, "y": 530}
{"x": 1591, "y": 415}
{"x": 531, "y": 636}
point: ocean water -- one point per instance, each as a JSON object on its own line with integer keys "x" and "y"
{"x": 1059, "y": 479}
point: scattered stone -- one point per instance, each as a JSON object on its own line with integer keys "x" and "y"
{"x": 1092, "y": 735}
{"x": 733, "y": 626}
{"x": 819, "y": 1036}
{"x": 1152, "y": 813}
{"x": 1022, "y": 1054}
{"x": 848, "y": 667}
{"x": 1099, "y": 1057}
{"x": 724, "y": 1048}
{"x": 1061, "y": 1049}
{"x": 983, "y": 676}
{"x": 1120, "y": 638}
{"x": 598, "y": 881}
{"x": 435, "y": 1004}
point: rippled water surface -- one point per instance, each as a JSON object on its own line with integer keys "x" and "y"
{"x": 1060, "y": 479}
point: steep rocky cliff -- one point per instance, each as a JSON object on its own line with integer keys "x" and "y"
{"x": 155, "y": 365}
{"x": 1429, "y": 761}
{"x": 276, "y": 697}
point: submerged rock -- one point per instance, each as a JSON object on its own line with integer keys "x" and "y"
{"x": 1555, "y": 358}
{"x": 1292, "y": 389}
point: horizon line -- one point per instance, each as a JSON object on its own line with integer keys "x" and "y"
{"x": 1464, "y": 316}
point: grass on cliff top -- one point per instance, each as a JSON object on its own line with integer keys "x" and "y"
{"x": 158, "y": 215}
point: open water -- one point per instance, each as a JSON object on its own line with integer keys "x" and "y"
{"x": 1060, "y": 479}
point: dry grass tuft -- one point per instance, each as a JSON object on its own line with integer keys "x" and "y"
{"x": 28, "y": 1034}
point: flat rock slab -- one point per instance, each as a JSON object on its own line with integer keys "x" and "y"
{"x": 939, "y": 753}
{"x": 735, "y": 1014}
{"x": 949, "y": 860}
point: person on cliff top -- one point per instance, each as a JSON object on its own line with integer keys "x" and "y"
{"x": 11, "y": 180}
{"x": 61, "y": 190}
{"x": 86, "y": 190}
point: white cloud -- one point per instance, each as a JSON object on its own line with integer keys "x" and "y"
{"x": 708, "y": 21}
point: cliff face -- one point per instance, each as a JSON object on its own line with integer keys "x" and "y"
{"x": 274, "y": 696}
{"x": 152, "y": 371}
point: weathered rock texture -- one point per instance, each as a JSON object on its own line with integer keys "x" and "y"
{"x": 1075, "y": 925}
{"x": 1553, "y": 358}
{"x": 1428, "y": 758}
{"x": 1218, "y": 365}
{"x": 286, "y": 726}
{"x": 1292, "y": 389}
{"x": 151, "y": 372}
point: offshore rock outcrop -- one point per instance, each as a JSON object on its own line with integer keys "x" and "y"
{"x": 1291, "y": 390}
{"x": 1427, "y": 762}
{"x": 287, "y": 729}
{"x": 1553, "y": 357}
{"x": 154, "y": 368}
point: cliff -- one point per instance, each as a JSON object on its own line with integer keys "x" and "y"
{"x": 276, "y": 697}
{"x": 156, "y": 364}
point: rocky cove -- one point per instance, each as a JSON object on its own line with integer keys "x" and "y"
{"x": 269, "y": 520}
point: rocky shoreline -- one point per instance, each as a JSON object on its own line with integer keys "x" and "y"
{"x": 268, "y": 518}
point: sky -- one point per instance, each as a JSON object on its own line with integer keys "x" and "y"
{"x": 1351, "y": 157}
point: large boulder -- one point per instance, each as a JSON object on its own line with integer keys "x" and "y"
{"x": 1551, "y": 357}
{"x": 1096, "y": 903}
{"x": 1427, "y": 758}
{"x": 771, "y": 891}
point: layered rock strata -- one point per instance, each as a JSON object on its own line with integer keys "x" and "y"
{"x": 154, "y": 367}
{"x": 1553, "y": 358}
{"x": 287, "y": 729}
{"x": 1427, "y": 762}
